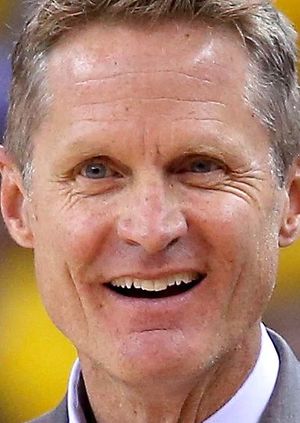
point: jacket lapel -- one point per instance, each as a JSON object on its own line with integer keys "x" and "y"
{"x": 284, "y": 405}
{"x": 59, "y": 415}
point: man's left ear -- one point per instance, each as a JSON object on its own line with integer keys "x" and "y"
{"x": 291, "y": 216}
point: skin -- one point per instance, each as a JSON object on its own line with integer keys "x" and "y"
{"x": 187, "y": 185}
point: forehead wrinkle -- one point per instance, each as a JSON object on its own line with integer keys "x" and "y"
{"x": 133, "y": 109}
{"x": 96, "y": 92}
{"x": 75, "y": 121}
{"x": 159, "y": 99}
{"x": 90, "y": 80}
{"x": 204, "y": 76}
{"x": 199, "y": 119}
{"x": 189, "y": 78}
{"x": 99, "y": 92}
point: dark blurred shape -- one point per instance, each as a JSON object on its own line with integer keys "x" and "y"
{"x": 5, "y": 75}
{"x": 284, "y": 316}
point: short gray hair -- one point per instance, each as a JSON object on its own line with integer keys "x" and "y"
{"x": 272, "y": 91}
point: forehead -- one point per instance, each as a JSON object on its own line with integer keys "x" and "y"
{"x": 150, "y": 77}
{"x": 177, "y": 36}
{"x": 136, "y": 53}
{"x": 122, "y": 81}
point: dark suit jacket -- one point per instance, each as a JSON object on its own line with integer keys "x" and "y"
{"x": 284, "y": 404}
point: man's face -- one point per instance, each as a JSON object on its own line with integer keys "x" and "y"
{"x": 150, "y": 169}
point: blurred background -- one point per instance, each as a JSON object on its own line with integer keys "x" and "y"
{"x": 35, "y": 359}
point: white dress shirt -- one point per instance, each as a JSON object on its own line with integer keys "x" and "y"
{"x": 246, "y": 406}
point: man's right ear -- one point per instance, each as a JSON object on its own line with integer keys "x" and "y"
{"x": 15, "y": 202}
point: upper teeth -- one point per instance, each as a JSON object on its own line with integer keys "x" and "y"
{"x": 155, "y": 284}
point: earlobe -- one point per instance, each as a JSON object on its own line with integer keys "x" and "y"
{"x": 289, "y": 231}
{"x": 15, "y": 202}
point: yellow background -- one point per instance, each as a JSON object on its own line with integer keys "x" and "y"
{"x": 35, "y": 358}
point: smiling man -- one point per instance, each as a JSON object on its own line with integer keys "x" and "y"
{"x": 151, "y": 162}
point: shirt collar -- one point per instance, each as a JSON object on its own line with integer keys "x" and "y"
{"x": 248, "y": 404}
{"x": 75, "y": 412}
{"x": 256, "y": 390}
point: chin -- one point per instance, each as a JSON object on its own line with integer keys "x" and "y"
{"x": 157, "y": 356}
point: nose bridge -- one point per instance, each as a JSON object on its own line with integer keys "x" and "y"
{"x": 153, "y": 218}
{"x": 153, "y": 201}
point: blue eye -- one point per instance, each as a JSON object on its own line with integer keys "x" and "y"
{"x": 95, "y": 171}
{"x": 204, "y": 166}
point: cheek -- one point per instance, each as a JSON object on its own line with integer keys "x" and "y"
{"x": 65, "y": 245}
{"x": 230, "y": 224}
{"x": 241, "y": 247}
{"x": 227, "y": 226}
{"x": 59, "y": 293}
{"x": 77, "y": 234}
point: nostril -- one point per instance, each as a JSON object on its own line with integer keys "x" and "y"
{"x": 131, "y": 242}
{"x": 174, "y": 241}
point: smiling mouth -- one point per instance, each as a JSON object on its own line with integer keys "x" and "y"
{"x": 156, "y": 288}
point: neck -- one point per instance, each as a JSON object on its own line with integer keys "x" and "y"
{"x": 180, "y": 399}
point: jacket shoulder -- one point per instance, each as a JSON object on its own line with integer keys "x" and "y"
{"x": 284, "y": 404}
{"x": 58, "y": 415}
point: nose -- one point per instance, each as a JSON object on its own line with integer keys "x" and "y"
{"x": 151, "y": 220}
